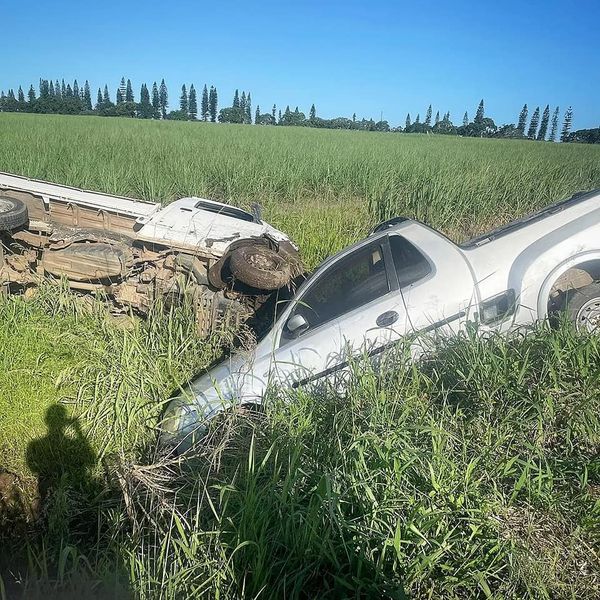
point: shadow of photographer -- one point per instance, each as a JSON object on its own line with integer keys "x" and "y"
{"x": 63, "y": 455}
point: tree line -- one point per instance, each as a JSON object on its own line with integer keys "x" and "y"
{"x": 58, "y": 97}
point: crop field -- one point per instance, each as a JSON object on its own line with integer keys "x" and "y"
{"x": 473, "y": 474}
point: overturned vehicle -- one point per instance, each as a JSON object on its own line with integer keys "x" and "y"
{"x": 224, "y": 259}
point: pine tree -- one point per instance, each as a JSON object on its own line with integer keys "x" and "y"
{"x": 257, "y": 114}
{"x": 69, "y": 91}
{"x": 236, "y": 100}
{"x": 121, "y": 91}
{"x": 87, "y": 96}
{"x": 76, "y": 89}
{"x": 480, "y": 114}
{"x": 204, "y": 104}
{"x": 155, "y": 102}
{"x": 99, "y": 100}
{"x": 63, "y": 89}
{"x": 51, "y": 92}
{"x": 248, "y": 110}
{"x": 164, "y": 99}
{"x": 243, "y": 102}
{"x": 554, "y": 128}
{"x": 192, "y": 103}
{"x": 21, "y": 95}
{"x": 31, "y": 95}
{"x": 533, "y": 125}
{"x": 129, "y": 92}
{"x": 465, "y": 119}
{"x": 273, "y": 111}
{"x": 106, "y": 96}
{"x": 57, "y": 89}
{"x": 407, "y": 122}
{"x": 418, "y": 119}
{"x": 279, "y": 117}
{"x": 145, "y": 110}
{"x": 541, "y": 136}
{"x": 564, "y": 134}
{"x": 183, "y": 100}
{"x": 522, "y": 120}
{"x": 313, "y": 113}
{"x": 213, "y": 104}
{"x": 428, "y": 116}
{"x": 354, "y": 117}
{"x": 437, "y": 117}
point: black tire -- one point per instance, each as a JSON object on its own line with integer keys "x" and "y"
{"x": 259, "y": 267}
{"x": 583, "y": 308}
{"x": 13, "y": 213}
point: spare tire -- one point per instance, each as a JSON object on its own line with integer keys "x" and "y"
{"x": 259, "y": 267}
{"x": 13, "y": 213}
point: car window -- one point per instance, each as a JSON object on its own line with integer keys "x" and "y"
{"x": 410, "y": 264}
{"x": 353, "y": 281}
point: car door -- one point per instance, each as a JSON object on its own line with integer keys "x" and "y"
{"x": 349, "y": 307}
{"x": 438, "y": 289}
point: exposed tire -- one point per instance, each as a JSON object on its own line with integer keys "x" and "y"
{"x": 259, "y": 267}
{"x": 583, "y": 308}
{"x": 13, "y": 213}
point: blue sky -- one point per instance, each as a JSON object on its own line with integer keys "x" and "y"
{"x": 368, "y": 57}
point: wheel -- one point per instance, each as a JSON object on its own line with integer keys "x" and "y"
{"x": 13, "y": 213}
{"x": 583, "y": 308}
{"x": 259, "y": 267}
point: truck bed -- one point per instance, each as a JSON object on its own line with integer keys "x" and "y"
{"x": 527, "y": 220}
{"x": 95, "y": 200}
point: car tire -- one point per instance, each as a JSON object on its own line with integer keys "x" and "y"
{"x": 583, "y": 308}
{"x": 13, "y": 213}
{"x": 259, "y": 267}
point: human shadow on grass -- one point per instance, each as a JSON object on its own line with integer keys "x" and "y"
{"x": 63, "y": 456}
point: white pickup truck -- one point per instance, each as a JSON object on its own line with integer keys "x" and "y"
{"x": 223, "y": 258}
{"x": 406, "y": 278}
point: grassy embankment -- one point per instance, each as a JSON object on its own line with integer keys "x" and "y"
{"x": 476, "y": 474}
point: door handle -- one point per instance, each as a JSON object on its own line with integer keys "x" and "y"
{"x": 387, "y": 318}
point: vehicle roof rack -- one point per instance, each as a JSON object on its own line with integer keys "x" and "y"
{"x": 389, "y": 223}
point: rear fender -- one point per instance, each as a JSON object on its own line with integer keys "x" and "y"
{"x": 552, "y": 277}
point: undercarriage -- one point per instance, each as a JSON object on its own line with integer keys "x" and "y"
{"x": 106, "y": 251}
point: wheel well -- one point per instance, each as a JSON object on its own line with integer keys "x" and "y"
{"x": 576, "y": 277}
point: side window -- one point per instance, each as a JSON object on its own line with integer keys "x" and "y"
{"x": 410, "y": 264}
{"x": 353, "y": 281}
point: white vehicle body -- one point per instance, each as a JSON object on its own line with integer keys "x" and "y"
{"x": 405, "y": 278}
{"x": 188, "y": 223}
{"x": 136, "y": 252}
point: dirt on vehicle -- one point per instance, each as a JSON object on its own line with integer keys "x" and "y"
{"x": 223, "y": 260}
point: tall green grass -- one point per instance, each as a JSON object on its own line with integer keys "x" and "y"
{"x": 472, "y": 474}
{"x": 326, "y": 188}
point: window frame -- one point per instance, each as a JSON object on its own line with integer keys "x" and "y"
{"x": 391, "y": 275}
{"x": 426, "y": 277}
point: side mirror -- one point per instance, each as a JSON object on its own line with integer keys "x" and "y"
{"x": 296, "y": 325}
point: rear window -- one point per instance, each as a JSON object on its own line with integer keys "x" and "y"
{"x": 410, "y": 264}
{"x": 228, "y": 211}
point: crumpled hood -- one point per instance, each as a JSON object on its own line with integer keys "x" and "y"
{"x": 183, "y": 223}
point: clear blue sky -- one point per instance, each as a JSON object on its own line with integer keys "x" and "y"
{"x": 347, "y": 56}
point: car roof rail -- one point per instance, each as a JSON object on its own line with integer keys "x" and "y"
{"x": 389, "y": 223}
